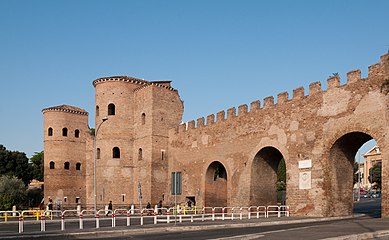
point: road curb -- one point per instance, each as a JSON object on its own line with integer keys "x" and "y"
{"x": 178, "y": 228}
{"x": 362, "y": 236}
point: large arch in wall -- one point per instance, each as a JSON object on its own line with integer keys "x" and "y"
{"x": 216, "y": 191}
{"x": 263, "y": 187}
{"x": 338, "y": 181}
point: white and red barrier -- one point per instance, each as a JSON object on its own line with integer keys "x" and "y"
{"x": 157, "y": 215}
{"x": 279, "y": 209}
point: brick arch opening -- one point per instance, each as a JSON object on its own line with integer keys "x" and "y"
{"x": 263, "y": 190}
{"x": 338, "y": 184}
{"x": 216, "y": 185}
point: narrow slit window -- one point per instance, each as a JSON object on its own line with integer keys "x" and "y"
{"x": 50, "y": 132}
{"x": 111, "y": 109}
{"x": 140, "y": 154}
{"x": 143, "y": 118}
{"x": 116, "y": 152}
{"x": 52, "y": 165}
{"x": 97, "y": 111}
{"x": 64, "y": 132}
{"x": 77, "y": 133}
{"x": 78, "y": 166}
{"x": 98, "y": 153}
{"x": 66, "y": 165}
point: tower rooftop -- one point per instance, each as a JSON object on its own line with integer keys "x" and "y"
{"x": 66, "y": 108}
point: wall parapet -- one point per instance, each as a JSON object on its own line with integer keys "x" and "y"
{"x": 66, "y": 108}
{"x": 142, "y": 83}
{"x": 353, "y": 76}
{"x": 314, "y": 88}
{"x": 333, "y": 82}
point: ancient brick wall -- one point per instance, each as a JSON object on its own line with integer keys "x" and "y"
{"x": 229, "y": 158}
{"x": 325, "y": 127}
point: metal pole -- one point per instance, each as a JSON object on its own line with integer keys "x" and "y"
{"x": 94, "y": 172}
{"x": 359, "y": 176}
{"x": 94, "y": 164}
{"x": 140, "y": 195}
{"x": 175, "y": 197}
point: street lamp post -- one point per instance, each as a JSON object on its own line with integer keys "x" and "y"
{"x": 359, "y": 176}
{"x": 94, "y": 163}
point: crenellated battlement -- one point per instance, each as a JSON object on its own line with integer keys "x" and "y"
{"x": 157, "y": 84}
{"x": 66, "y": 108}
{"x": 298, "y": 94}
{"x": 142, "y": 83}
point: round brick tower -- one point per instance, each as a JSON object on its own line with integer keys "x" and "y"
{"x": 132, "y": 121}
{"x": 114, "y": 138}
{"x": 66, "y": 138}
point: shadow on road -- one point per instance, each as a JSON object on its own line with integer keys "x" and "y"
{"x": 368, "y": 206}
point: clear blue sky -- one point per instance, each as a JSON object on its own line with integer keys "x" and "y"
{"x": 219, "y": 54}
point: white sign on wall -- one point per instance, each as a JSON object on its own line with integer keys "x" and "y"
{"x": 305, "y": 180}
{"x": 305, "y": 163}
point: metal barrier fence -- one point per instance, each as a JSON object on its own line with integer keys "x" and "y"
{"x": 154, "y": 216}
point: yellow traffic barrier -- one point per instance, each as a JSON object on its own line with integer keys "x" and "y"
{"x": 9, "y": 214}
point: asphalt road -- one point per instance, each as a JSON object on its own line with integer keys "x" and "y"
{"x": 274, "y": 228}
{"x": 306, "y": 231}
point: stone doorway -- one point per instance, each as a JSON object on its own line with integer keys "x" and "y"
{"x": 263, "y": 191}
{"x": 216, "y": 185}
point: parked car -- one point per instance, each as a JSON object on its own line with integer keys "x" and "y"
{"x": 375, "y": 194}
{"x": 364, "y": 194}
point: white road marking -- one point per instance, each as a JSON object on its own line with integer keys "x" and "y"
{"x": 258, "y": 235}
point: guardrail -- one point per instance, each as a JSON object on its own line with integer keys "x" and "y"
{"x": 14, "y": 214}
{"x": 154, "y": 216}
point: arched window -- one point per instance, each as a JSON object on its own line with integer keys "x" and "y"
{"x": 140, "y": 154}
{"x": 77, "y": 133}
{"x": 143, "y": 118}
{"x": 116, "y": 152}
{"x": 97, "y": 111}
{"x": 50, "y": 132}
{"x": 66, "y": 165}
{"x": 111, "y": 109}
{"x": 78, "y": 166}
{"x": 52, "y": 165}
{"x": 64, "y": 132}
{"x": 98, "y": 153}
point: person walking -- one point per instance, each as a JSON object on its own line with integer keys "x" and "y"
{"x": 110, "y": 207}
{"x": 148, "y": 209}
{"x": 50, "y": 205}
{"x": 159, "y": 206}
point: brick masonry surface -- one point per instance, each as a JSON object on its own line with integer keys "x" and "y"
{"x": 225, "y": 159}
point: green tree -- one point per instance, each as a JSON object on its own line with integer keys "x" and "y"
{"x": 375, "y": 174}
{"x": 281, "y": 176}
{"x": 12, "y": 192}
{"x": 355, "y": 172}
{"x": 34, "y": 196}
{"x": 14, "y": 163}
{"x": 37, "y": 165}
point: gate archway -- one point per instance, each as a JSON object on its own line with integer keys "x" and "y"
{"x": 264, "y": 177}
{"x": 216, "y": 185}
{"x": 339, "y": 180}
